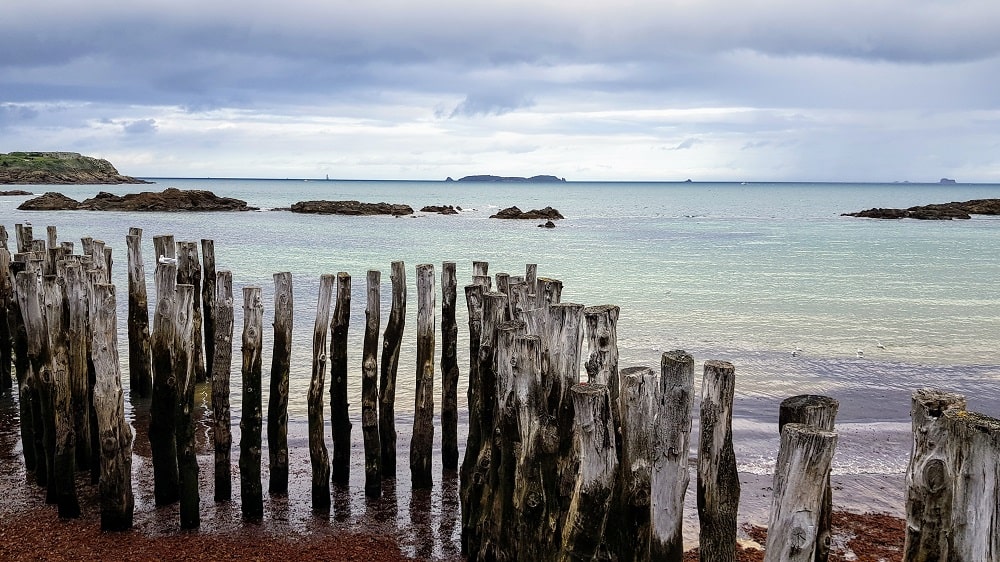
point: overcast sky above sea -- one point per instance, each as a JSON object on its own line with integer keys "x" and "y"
{"x": 785, "y": 90}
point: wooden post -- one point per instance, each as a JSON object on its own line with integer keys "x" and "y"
{"x": 6, "y": 296}
{"x": 602, "y": 364}
{"x": 162, "y": 440}
{"x": 583, "y": 532}
{"x": 340, "y": 420}
{"x": 277, "y": 404}
{"x": 208, "y": 294}
{"x": 39, "y": 379}
{"x": 449, "y": 368}
{"x": 531, "y": 274}
{"x": 251, "y": 491}
{"x": 670, "y": 477}
{"x": 819, "y": 412}
{"x": 422, "y": 441}
{"x": 800, "y": 477}
{"x": 480, "y": 268}
{"x": 100, "y": 263}
{"x": 139, "y": 361}
{"x": 51, "y": 237}
{"x": 22, "y": 374}
{"x": 117, "y": 500}
{"x": 547, "y": 291}
{"x": 974, "y": 447}
{"x": 189, "y": 272}
{"x": 222, "y": 361}
{"x": 63, "y": 482}
{"x": 474, "y": 440}
{"x": 718, "y": 481}
{"x": 23, "y": 236}
{"x": 930, "y": 477}
{"x": 369, "y": 389}
{"x": 639, "y": 401}
{"x": 94, "y": 277}
{"x": 187, "y": 460}
{"x": 392, "y": 341}
{"x": 318, "y": 454}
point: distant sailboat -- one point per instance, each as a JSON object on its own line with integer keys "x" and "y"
{"x": 328, "y": 177}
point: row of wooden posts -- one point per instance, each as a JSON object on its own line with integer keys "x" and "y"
{"x": 555, "y": 468}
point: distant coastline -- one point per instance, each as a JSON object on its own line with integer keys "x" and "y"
{"x": 508, "y": 179}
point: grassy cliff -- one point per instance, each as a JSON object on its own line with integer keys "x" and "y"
{"x": 58, "y": 168}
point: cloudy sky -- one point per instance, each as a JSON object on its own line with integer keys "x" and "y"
{"x": 814, "y": 90}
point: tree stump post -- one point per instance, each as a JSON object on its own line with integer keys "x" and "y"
{"x": 139, "y": 360}
{"x": 718, "y": 480}
{"x": 189, "y": 272}
{"x": 277, "y": 406}
{"x": 974, "y": 448}
{"x": 340, "y": 420}
{"x": 422, "y": 441}
{"x": 670, "y": 476}
{"x": 222, "y": 362}
{"x": 318, "y": 454}
{"x": 162, "y": 439}
{"x": 449, "y": 368}
{"x": 187, "y": 460}
{"x": 392, "y": 341}
{"x": 639, "y": 401}
{"x": 117, "y": 499}
{"x": 369, "y": 388}
{"x": 208, "y": 295}
{"x": 251, "y": 490}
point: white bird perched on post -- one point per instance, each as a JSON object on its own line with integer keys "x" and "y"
{"x": 166, "y": 261}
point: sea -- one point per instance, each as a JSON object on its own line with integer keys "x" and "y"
{"x": 768, "y": 276}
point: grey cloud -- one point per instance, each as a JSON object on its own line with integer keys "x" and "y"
{"x": 139, "y": 126}
{"x": 11, "y": 113}
{"x": 489, "y": 104}
{"x": 686, "y": 144}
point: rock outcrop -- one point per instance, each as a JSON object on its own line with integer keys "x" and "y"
{"x": 937, "y": 211}
{"x": 58, "y": 168}
{"x": 355, "y": 208}
{"x": 515, "y": 213}
{"x": 440, "y": 209}
{"x": 169, "y": 200}
{"x": 510, "y": 179}
{"x": 50, "y": 201}
{"x": 14, "y": 192}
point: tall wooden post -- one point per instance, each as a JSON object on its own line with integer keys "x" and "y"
{"x": 639, "y": 401}
{"x": 23, "y": 236}
{"x": 318, "y": 454}
{"x": 251, "y": 491}
{"x": 340, "y": 420}
{"x": 474, "y": 440}
{"x": 974, "y": 447}
{"x": 6, "y": 296}
{"x": 139, "y": 361}
{"x": 369, "y": 389}
{"x": 601, "y": 328}
{"x": 117, "y": 499}
{"x": 208, "y": 295}
{"x": 222, "y": 361}
{"x": 277, "y": 405}
{"x": 189, "y": 272}
{"x": 449, "y": 368}
{"x": 392, "y": 341}
{"x": 79, "y": 334}
{"x": 22, "y": 373}
{"x": 162, "y": 440}
{"x": 422, "y": 441}
{"x": 718, "y": 480}
{"x": 187, "y": 460}
{"x": 40, "y": 378}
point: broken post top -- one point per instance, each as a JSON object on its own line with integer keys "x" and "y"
{"x": 935, "y": 402}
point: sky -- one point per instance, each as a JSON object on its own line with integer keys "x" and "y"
{"x": 667, "y": 90}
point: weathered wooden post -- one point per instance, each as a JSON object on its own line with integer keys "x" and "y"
{"x": 277, "y": 404}
{"x": 189, "y": 272}
{"x": 474, "y": 440}
{"x": 819, "y": 412}
{"x": 974, "y": 447}
{"x": 6, "y": 296}
{"x": 930, "y": 477}
{"x": 139, "y": 361}
{"x": 422, "y": 441}
{"x": 547, "y": 291}
{"x": 117, "y": 500}
{"x": 208, "y": 294}
{"x": 583, "y": 532}
{"x": 162, "y": 440}
{"x": 222, "y": 361}
{"x": 800, "y": 477}
{"x": 718, "y": 480}
{"x": 670, "y": 476}
{"x": 601, "y": 329}
{"x": 392, "y": 340}
{"x": 340, "y": 420}
{"x": 187, "y": 460}
{"x": 22, "y": 374}
{"x": 23, "y": 236}
{"x": 369, "y": 389}
{"x": 531, "y": 274}
{"x": 449, "y": 368}
{"x": 39, "y": 379}
{"x": 639, "y": 400}
{"x": 318, "y": 455}
{"x": 480, "y": 268}
{"x": 251, "y": 491}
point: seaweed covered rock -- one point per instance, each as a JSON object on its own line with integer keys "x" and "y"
{"x": 50, "y": 201}
{"x": 355, "y": 208}
{"x": 514, "y": 213}
{"x": 169, "y": 200}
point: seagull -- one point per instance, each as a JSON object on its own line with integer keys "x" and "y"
{"x": 879, "y": 345}
{"x": 861, "y": 354}
{"x": 797, "y": 351}
{"x": 166, "y": 261}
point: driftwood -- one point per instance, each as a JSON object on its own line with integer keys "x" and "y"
{"x": 63, "y": 483}
{"x": 422, "y": 441}
{"x": 277, "y": 404}
{"x": 222, "y": 362}
{"x": 187, "y": 459}
{"x": 392, "y": 341}
{"x": 189, "y": 272}
{"x": 162, "y": 440}
{"x": 974, "y": 448}
{"x": 449, "y": 368}
{"x": 340, "y": 420}
{"x": 318, "y": 454}
{"x": 369, "y": 389}
{"x": 117, "y": 500}
{"x": 139, "y": 360}
{"x": 208, "y": 295}
{"x": 718, "y": 481}
{"x": 251, "y": 491}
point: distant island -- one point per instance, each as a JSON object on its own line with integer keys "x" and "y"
{"x": 509, "y": 179}
{"x": 26, "y": 168}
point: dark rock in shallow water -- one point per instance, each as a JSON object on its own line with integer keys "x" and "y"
{"x": 440, "y": 209}
{"x": 15, "y": 192}
{"x": 50, "y": 201}
{"x": 937, "y": 211}
{"x": 548, "y": 224}
{"x": 356, "y": 208}
{"x": 515, "y": 213}
{"x": 169, "y": 200}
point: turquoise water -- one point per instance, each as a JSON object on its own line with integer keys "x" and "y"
{"x": 745, "y": 273}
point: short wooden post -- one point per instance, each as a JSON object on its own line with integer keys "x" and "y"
{"x": 340, "y": 420}
{"x": 369, "y": 388}
{"x": 222, "y": 362}
{"x": 586, "y": 519}
{"x": 670, "y": 476}
{"x": 601, "y": 329}
{"x": 800, "y": 476}
{"x": 930, "y": 477}
{"x": 277, "y": 404}
{"x": 208, "y": 295}
{"x": 189, "y": 272}
{"x": 480, "y": 268}
{"x": 422, "y": 441}
{"x": 974, "y": 447}
{"x": 23, "y": 236}
{"x": 639, "y": 401}
{"x": 718, "y": 480}
{"x": 318, "y": 454}
{"x": 139, "y": 361}
{"x": 251, "y": 490}
{"x": 187, "y": 460}
{"x": 162, "y": 440}
{"x": 392, "y": 341}
{"x": 40, "y": 377}
{"x": 63, "y": 481}
{"x": 547, "y": 291}
{"x": 117, "y": 500}
{"x": 449, "y": 368}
